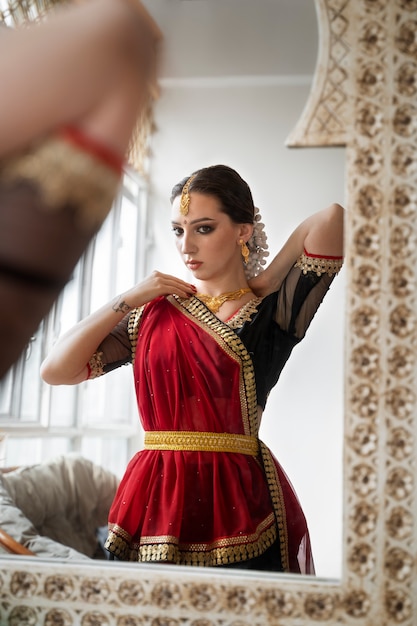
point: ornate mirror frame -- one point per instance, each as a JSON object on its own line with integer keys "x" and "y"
{"x": 364, "y": 97}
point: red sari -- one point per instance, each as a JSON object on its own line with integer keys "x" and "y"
{"x": 204, "y": 504}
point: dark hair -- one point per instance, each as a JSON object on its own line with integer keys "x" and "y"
{"x": 226, "y": 185}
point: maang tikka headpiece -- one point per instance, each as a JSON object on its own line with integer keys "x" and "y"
{"x": 185, "y": 197}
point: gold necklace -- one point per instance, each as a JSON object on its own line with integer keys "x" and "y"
{"x": 215, "y": 302}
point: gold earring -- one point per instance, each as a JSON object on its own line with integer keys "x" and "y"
{"x": 245, "y": 251}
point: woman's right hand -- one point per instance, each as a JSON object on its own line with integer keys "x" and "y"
{"x": 155, "y": 285}
{"x": 66, "y": 364}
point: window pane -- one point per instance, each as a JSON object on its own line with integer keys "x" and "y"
{"x": 126, "y": 248}
{"x": 102, "y": 269}
{"x": 67, "y": 310}
{"x": 62, "y": 406}
{"x": 23, "y": 450}
{"x": 110, "y": 400}
{"x": 31, "y": 450}
{"x": 6, "y": 393}
{"x": 55, "y": 446}
{"x": 110, "y": 452}
{"x": 31, "y": 380}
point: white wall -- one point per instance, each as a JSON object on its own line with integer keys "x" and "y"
{"x": 244, "y": 123}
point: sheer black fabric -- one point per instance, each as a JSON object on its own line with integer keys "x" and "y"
{"x": 279, "y": 324}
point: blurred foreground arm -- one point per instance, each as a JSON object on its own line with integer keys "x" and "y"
{"x": 76, "y": 85}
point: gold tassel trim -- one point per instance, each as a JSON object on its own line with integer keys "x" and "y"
{"x": 169, "y": 550}
{"x": 319, "y": 265}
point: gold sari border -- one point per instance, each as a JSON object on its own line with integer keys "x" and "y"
{"x": 223, "y": 552}
{"x": 133, "y": 328}
{"x": 278, "y": 503}
{"x": 201, "y": 442}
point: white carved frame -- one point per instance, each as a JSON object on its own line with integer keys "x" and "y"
{"x": 364, "y": 97}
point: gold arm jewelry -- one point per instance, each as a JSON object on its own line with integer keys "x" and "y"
{"x": 319, "y": 265}
{"x": 201, "y": 442}
{"x": 185, "y": 197}
{"x": 245, "y": 251}
{"x": 214, "y": 302}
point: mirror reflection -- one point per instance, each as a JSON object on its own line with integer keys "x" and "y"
{"x": 240, "y": 117}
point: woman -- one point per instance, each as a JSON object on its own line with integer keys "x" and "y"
{"x": 73, "y": 88}
{"x": 206, "y": 491}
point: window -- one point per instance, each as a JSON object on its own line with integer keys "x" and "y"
{"x": 97, "y": 418}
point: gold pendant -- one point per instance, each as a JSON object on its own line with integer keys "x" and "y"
{"x": 215, "y": 302}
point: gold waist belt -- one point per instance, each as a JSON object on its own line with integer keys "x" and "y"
{"x": 200, "y": 441}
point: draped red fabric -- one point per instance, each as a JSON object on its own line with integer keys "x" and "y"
{"x": 300, "y": 557}
{"x": 208, "y": 508}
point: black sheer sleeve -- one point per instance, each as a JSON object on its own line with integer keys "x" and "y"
{"x": 302, "y": 292}
{"x": 114, "y": 351}
{"x": 283, "y": 317}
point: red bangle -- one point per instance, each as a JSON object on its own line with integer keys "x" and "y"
{"x": 321, "y": 256}
{"x": 104, "y": 153}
